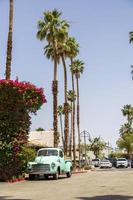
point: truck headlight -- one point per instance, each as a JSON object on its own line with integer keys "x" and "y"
{"x": 28, "y": 166}
{"x": 52, "y": 164}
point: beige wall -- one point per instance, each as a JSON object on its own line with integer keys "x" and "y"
{"x": 42, "y": 138}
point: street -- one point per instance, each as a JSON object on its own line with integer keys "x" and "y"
{"x": 102, "y": 184}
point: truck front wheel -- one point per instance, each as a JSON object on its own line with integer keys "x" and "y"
{"x": 31, "y": 176}
{"x": 46, "y": 176}
{"x": 56, "y": 176}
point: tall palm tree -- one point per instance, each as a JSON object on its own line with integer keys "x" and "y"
{"x": 77, "y": 68}
{"x": 9, "y": 43}
{"x": 131, "y": 36}
{"x": 71, "y": 96}
{"x": 60, "y": 113}
{"x": 68, "y": 48}
{"x": 51, "y": 28}
{"x": 61, "y": 53}
{"x": 128, "y": 111}
{"x": 73, "y": 51}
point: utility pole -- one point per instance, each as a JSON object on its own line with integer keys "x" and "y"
{"x": 85, "y": 135}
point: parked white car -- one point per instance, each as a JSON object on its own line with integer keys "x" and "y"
{"x": 105, "y": 164}
{"x": 121, "y": 162}
{"x": 96, "y": 162}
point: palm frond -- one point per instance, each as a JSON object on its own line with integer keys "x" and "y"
{"x": 60, "y": 110}
{"x": 71, "y": 95}
{"x": 77, "y": 67}
{"x": 132, "y": 71}
{"x": 131, "y": 37}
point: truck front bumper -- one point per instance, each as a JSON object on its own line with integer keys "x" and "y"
{"x": 41, "y": 172}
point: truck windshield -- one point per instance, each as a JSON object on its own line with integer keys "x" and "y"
{"x": 48, "y": 152}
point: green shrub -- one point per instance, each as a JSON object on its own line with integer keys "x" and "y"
{"x": 87, "y": 167}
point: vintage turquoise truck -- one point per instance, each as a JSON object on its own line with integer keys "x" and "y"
{"x": 49, "y": 162}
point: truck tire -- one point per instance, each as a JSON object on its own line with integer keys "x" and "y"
{"x": 46, "y": 176}
{"x": 31, "y": 177}
{"x": 56, "y": 176}
{"x": 69, "y": 174}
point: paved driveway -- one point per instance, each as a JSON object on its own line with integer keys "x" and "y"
{"x": 98, "y": 185}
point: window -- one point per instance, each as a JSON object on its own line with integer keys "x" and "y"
{"x": 96, "y": 159}
{"x": 61, "y": 154}
{"x": 48, "y": 152}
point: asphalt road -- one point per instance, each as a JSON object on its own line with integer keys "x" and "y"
{"x": 102, "y": 184}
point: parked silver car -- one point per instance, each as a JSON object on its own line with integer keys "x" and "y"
{"x": 105, "y": 164}
{"x": 121, "y": 162}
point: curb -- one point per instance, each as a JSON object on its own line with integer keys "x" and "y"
{"x": 16, "y": 180}
{"x": 80, "y": 172}
{"x": 85, "y": 171}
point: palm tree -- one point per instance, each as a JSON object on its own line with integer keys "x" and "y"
{"x": 9, "y": 43}
{"x": 126, "y": 142}
{"x": 126, "y": 131}
{"x": 131, "y": 36}
{"x": 71, "y": 96}
{"x": 96, "y": 145}
{"x": 126, "y": 128}
{"x": 73, "y": 51}
{"x": 66, "y": 47}
{"x": 60, "y": 113}
{"x": 77, "y": 68}
{"x": 128, "y": 111}
{"x": 51, "y": 28}
{"x": 61, "y": 53}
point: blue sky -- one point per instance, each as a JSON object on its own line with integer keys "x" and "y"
{"x": 101, "y": 28}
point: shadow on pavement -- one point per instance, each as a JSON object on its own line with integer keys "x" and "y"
{"x": 10, "y": 198}
{"x": 107, "y": 197}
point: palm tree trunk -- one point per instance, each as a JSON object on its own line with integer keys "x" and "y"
{"x": 73, "y": 126}
{"x": 66, "y": 111}
{"x": 9, "y": 43}
{"x": 61, "y": 130}
{"x": 55, "y": 118}
{"x": 55, "y": 102}
{"x": 78, "y": 120}
{"x": 70, "y": 145}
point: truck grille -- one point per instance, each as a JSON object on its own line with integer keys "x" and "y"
{"x": 41, "y": 167}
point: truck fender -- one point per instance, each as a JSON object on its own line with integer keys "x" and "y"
{"x": 68, "y": 165}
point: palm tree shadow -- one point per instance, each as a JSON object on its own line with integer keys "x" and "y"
{"x": 10, "y": 198}
{"x": 107, "y": 197}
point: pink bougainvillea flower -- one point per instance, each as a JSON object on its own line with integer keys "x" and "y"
{"x": 33, "y": 97}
